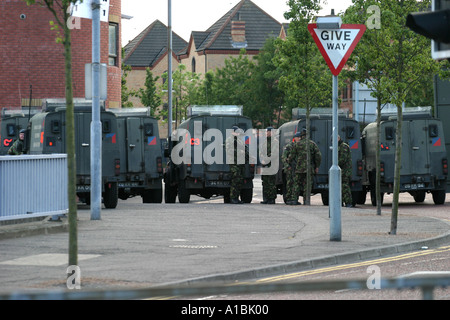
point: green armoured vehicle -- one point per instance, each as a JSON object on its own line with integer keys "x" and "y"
{"x": 47, "y": 132}
{"x": 200, "y": 174}
{"x": 141, "y": 167}
{"x": 424, "y": 164}
{"x": 321, "y": 134}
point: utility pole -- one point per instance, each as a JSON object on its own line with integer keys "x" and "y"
{"x": 96, "y": 133}
{"x": 169, "y": 71}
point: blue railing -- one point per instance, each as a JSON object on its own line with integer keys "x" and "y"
{"x": 33, "y": 186}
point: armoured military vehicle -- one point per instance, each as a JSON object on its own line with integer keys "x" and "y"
{"x": 205, "y": 172}
{"x": 141, "y": 167}
{"x": 321, "y": 134}
{"x": 48, "y": 135}
{"x": 424, "y": 163}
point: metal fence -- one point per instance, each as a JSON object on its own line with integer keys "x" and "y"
{"x": 33, "y": 186}
{"x": 426, "y": 284}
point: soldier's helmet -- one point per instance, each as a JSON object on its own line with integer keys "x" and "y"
{"x": 22, "y": 131}
{"x": 297, "y": 135}
{"x": 303, "y": 132}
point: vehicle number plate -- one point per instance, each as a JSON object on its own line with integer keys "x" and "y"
{"x": 216, "y": 183}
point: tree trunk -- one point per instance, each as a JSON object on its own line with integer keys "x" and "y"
{"x": 307, "y": 193}
{"x": 70, "y": 147}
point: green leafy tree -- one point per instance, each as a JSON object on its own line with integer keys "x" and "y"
{"x": 125, "y": 92}
{"x": 230, "y": 81}
{"x": 185, "y": 91}
{"x": 306, "y": 78}
{"x": 362, "y": 66}
{"x": 403, "y": 60}
{"x": 149, "y": 95}
{"x": 61, "y": 13}
{"x": 265, "y": 97}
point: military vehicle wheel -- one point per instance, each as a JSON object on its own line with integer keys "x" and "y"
{"x": 247, "y": 195}
{"x": 111, "y": 195}
{"x": 419, "y": 196}
{"x": 226, "y": 196}
{"x": 152, "y": 196}
{"x": 183, "y": 194}
{"x": 284, "y": 192}
{"x": 438, "y": 196}
{"x": 170, "y": 194}
{"x": 373, "y": 197}
{"x": 359, "y": 197}
{"x": 157, "y": 195}
{"x": 85, "y": 198}
{"x": 325, "y": 198}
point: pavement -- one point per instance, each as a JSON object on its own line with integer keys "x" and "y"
{"x": 138, "y": 245}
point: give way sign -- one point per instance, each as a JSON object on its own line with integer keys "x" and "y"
{"x": 336, "y": 45}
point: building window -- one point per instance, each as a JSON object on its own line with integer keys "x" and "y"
{"x": 193, "y": 64}
{"x": 113, "y": 44}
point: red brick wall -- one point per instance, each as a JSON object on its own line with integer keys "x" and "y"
{"x": 29, "y": 55}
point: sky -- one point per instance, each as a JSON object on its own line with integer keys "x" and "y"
{"x": 198, "y": 15}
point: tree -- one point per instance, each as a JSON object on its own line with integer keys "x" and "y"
{"x": 125, "y": 93}
{"x": 306, "y": 78}
{"x": 185, "y": 89}
{"x": 362, "y": 67}
{"x": 148, "y": 95}
{"x": 265, "y": 97}
{"x": 230, "y": 84}
{"x": 61, "y": 13}
{"x": 402, "y": 62}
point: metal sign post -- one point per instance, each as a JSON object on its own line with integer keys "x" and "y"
{"x": 336, "y": 42}
{"x": 169, "y": 71}
{"x": 96, "y": 126}
{"x": 335, "y": 173}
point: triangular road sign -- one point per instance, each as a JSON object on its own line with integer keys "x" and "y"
{"x": 336, "y": 45}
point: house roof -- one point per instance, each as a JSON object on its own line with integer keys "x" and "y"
{"x": 150, "y": 46}
{"x": 258, "y": 27}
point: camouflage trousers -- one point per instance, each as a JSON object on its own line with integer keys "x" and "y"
{"x": 269, "y": 187}
{"x": 237, "y": 180}
{"x": 346, "y": 191}
{"x": 292, "y": 186}
{"x": 295, "y": 186}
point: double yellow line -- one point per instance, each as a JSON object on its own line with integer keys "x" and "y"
{"x": 354, "y": 265}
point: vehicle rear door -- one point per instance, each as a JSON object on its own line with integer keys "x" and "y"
{"x": 135, "y": 152}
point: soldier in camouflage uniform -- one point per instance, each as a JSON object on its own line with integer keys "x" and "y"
{"x": 289, "y": 160}
{"x": 235, "y": 148}
{"x": 268, "y": 181}
{"x": 18, "y": 146}
{"x": 316, "y": 158}
{"x": 345, "y": 163}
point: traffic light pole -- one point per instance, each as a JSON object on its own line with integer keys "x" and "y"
{"x": 335, "y": 197}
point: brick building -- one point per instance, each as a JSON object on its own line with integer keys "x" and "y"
{"x": 30, "y": 56}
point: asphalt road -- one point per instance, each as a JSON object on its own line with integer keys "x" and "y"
{"x": 140, "y": 245}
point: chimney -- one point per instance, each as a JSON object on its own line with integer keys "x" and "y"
{"x": 238, "y": 31}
